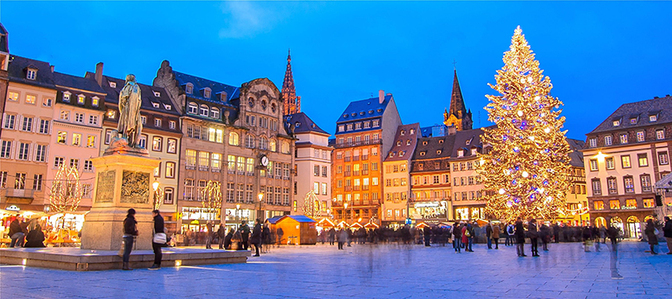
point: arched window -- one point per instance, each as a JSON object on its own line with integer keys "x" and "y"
{"x": 204, "y": 110}
{"x": 285, "y": 147}
{"x": 233, "y": 139}
{"x": 249, "y": 141}
{"x": 273, "y": 146}
{"x": 214, "y": 112}
{"x": 263, "y": 143}
{"x": 192, "y": 108}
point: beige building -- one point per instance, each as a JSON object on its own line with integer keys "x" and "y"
{"x": 624, "y": 157}
{"x": 313, "y": 167}
{"x": 430, "y": 179}
{"x": 26, "y": 133}
{"x": 396, "y": 175}
{"x": 468, "y": 203}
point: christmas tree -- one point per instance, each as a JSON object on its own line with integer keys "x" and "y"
{"x": 526, "y": 172}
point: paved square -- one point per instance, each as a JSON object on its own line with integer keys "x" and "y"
{"x": 373, "y": 271}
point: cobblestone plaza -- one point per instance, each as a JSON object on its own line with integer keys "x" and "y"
{"x": 373, "y": 271}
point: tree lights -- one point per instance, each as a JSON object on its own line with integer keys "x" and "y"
{"x": 527, "y": 169}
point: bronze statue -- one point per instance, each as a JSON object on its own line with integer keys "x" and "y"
{"x": 130, "y": 123}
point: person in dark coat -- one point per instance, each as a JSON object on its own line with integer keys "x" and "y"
{"x": 332, "y": 236}
{"x": 265, "y": 238}
{"x": 488, "y": 234}
{"x": 650, "y": 232}
{"x": 256, "y": 236}
{"x": 342, "y": 237}
{"x": 427, "y": 234}
{"x": 280, "y": 233}
{"x": 130, "y": 232}
{"x": 221, "y": 233}
{"x": 667, "y": 231}
{"x": 244, "y": 235}
{"x": 533, "y": 232}
{"x": 545, "y": 235}
{"x": 457, "y": 237}
{"x": 16, "y": 233}
{"x": 587, "y": 234}
{"x": 158, "y": 228}
{"x": 520, "y": 237}
{"x": 227, "y": 239}
{"x": 35, "y": 237}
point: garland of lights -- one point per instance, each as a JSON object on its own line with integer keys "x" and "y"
{"x": 212, "y": 198}
{"x": 311, "y": 205}
{"x": 65, "y": 192}
{"x": 527, "y": 172}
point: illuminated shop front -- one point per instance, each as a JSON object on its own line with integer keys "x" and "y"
{"x": 430, "y": 210}
{"x": 196, "y": 219}
{"x": 469, "y": 213}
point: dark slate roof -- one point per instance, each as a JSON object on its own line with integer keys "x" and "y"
{"x": 76, "y": 82}
{"x": 405, "y": 148}
{"x": 576, "y": 156}
{"x": 298, "y": 218}
{"x": 461, "y": 138}
{"x": 430, "y": 146}
{"x": 147, "y": 91}
{"x": 301, "y": 123}
{"x": 2, "y": 29}
{"x": 17, "y": 71}
{"x": 4, "y": 43}
{"x": 363, "y": 109}
{"x": 640, "y": 111}
{"x": 200, "y": 84}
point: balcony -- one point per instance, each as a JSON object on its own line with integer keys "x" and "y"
{"x": 355, "y": 158}
{"x": 19, "y": 196}
{"x": 358, "y": 143}
{"x": 347, "y": 173}
{"x": 190, "y": 167}
{"x": 356, "y": 188}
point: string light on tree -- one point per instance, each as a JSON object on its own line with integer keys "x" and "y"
{"x": 66, "y": 191}
{"x": 527, "y": 170}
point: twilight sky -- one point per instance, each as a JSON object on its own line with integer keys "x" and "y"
{"x": 598, "y": 55}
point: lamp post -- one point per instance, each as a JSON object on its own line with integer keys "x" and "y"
{"x": 261, "y": 212}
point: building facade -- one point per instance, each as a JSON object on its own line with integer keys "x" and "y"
{"x": 26, "y": 134}
{"x": 467, "y": 183}
{"x": 312, "y": 167}
{"x": 291, "y": 103}
{"x": 365, "y": 133}
{"x": 430, "y": 179}
{"x": 577, "y": 199}
{"x": 396, "y": 175}
{"x": 624, "y": 157}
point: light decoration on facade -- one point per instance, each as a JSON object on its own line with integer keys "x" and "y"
{"x": 527, "y": 170}
{"x": 212, "y": 199}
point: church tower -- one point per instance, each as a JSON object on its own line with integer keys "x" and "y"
{"x": 458, "y": 116}
{"x": 292, "y": 103}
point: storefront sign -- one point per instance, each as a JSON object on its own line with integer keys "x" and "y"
{"x": 13, "y": 208}
{"x": 426, "y": 204}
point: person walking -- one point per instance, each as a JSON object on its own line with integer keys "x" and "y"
{"x": 16, "y": 233}
{"x": 208, "y": 236}
{"x": 470, "y": 237}
{"x": 533, "y": 232}
{"x": 244, "y": 235}
{"x": 228, "y": 239}
{"x": 650, "y": 232}
{"x": 457, "y": 237}
{"x": 488, "y": 234}
{"x": 256, "y": 236}
{"x": 35, "y": 237}
{"x": 265, "y": 238}
{"x": 587, "y": 234}
{"x": 158, "y": 229}
{"x": 510, "y": 232}
{"x": 545, "y": 235}
{"x": 130, "y": 232}
{"x": 342, "y": 236}
{"x": 427, "y": 234}
{"x": 495, "y": 235}
{"x": 280, "y": 233}
{"x": 667, "y": 232}
{"x": 520, "y": 238}
{"x": 221, "y": 234}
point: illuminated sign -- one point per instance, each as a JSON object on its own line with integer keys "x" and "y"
{"x": 13, "y": 208}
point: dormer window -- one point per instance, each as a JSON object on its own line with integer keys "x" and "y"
{"x": 113, "y": 84}
{"x": 403, "y": 132}
{"x": 157, "y": 94}
{"x": 80, "y": 99}
{"x": 297, "y": 124}
{"x": 341, "y": 128}
{"x": 653, "y": 117}
{"x": 204, "y": 110}
{"x": 460, "y": 153}
{"x": 440, "y": 141}
{"x": 155, "y": 105}
{"x": 408, "y": 142}
{"x": 616, "y": 122}
{"x": 66, "y": 97}
{"x": 206, "y": 92}
{"x": 189, "y": 88}
{"x": 391, "y": 154}
{"x": 633, "y": 121}
{"x": 473, "y": 151}
{"x": 422, "y": 154}
{"x": 438, "y": 152}
{"x": 111, "y": 114}
{"x": 168, "y": 107}
{"x": 469, "y": 141}
{"x": 192, "y": 108}
{"x": 95, "y": 101}
{"x": 223, "y": 96}
{"x": 31, "y": 74}
{"x": 424, "y": 142}
{"x": 412, "y": 131}
{"x": 398, "y": 142}
{"x": 214, "y": 112}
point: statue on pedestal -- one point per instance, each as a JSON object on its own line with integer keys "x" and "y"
{"x": 130, "y": 100}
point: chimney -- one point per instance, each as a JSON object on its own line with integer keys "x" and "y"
{"x": 99, "y": 73}
{"x": 452, "y": 130}
{"x": 381, "y": 96}
{"x": 52, "y": 68}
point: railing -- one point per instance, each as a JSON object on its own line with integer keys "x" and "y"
{"x": 216, "y": 170}
{"x": 348, "y": 188}
{"x": 347, "y": 173}
{"x": 20, "y": 193}
{"x": 355, "y": 158}
{"x": 190, "y": 167}
{"x": 365, "y": 172}
{"x": 365, "y": 187}
{"x": 358, "y": 143}
{"x": 346, "y": 159}
{"x": 365, "y": 157}
{"x": 203, "y": 168}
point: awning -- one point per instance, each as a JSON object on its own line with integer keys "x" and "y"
{"x": 665, "y": 182}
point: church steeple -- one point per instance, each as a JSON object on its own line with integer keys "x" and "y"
{"x": 458, "y": 115}
{"x": 292, "y": 103}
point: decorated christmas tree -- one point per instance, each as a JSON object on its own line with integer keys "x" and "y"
{"x": 526, "y": 171}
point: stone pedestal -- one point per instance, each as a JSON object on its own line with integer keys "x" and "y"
{"x": 123, "y": 181}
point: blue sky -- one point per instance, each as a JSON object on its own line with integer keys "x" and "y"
{"x": 598, "y": 55}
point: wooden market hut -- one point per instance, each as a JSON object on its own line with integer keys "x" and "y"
{"x": 297, "y": 230}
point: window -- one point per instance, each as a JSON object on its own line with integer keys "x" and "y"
{"x": 206, "y": 93}
{"x": 88, "y": 165}
{"x": 598, "y": 205}
{"x": 143, "y": 119}
{"x": 629, "y": 184}
{"x": 611, "y": 186}
{"x": 13, "y": 96}
{"x": 20, "y": 181}
{"x": 597, "y": 188}
{"x": 216, "y": 162}
{"x": 47, "y": 102}
{"x": 27, "y": 124}
{"x": 65, "y": 115}
{"x": 324, "y": 188}
{"x": 170, "y": 170}
{"x": 91, "y": 141}
{"x": 80, "y": 99}
{"x": 233, "y": 139}
{"x": 143, "y": 141}
{"x": 625, "y": 161}
{"x": 214, "y": 113}
{"x": 249, "y": 141}
{"x": 172, "y": 146}
{"x": 663, "y": 158}
{"x": 285, "y": 147}
{"x": 94, "y": 101}
{"x": 168, "y": 196}
{"x": 37, "y": 182}
{"x": 648, "y": 203}
{"x": 23, "y": 151}
{"x": 31, "y": 99}
{"x": 250, "y": 167}
{"x": 157, "y": 122}
{"x": 609, "y": 162}
{"x": 10, "y": 119}
{"x": 645, "y": 179}
{"x": 204, "y": 110}
{"x": 593, "y": 165}
{"x": 660, "y": 134}
{"x": 171, "y": 125}
{"x": 191, "y": 158}
{"x": 31, "y": 74}
{"x": 3, "y": 179}
{"x": 189, "y": 88}
{"x": 616, "y": 122}
{"x": 66, "y": 97}
{"x": 653, "y": 117}
{"x": 74, "y": 163}
{"x": 79, "y": 117}
{"x": 76, "y": 139}
{"x": 58, "y": 161}
{"x": 607, "y": 140}
{"x": 157, "y": 143}
{"x": 203, "y": 160}
{"x": 643, "y": 160}
{"x": 93, "y": 119}
{"x": 44, "y": 126}
{"x": 192, "y": 108}
{"x": 614, "y": 204}
{"x": 640, "y": 136}
{"x": 624, "y": 138}
{"x": 189, "y": 189}
{"x": 40, "y": 153}
{"x": 631, "y": 203}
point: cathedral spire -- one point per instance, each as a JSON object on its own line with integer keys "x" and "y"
{"x": 458, "y": 115}
{"x": 291, "y": 102}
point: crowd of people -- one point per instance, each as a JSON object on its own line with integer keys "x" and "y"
{"x": 25, "y": 233}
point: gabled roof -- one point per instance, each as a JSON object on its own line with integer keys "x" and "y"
{"x": 404, "y": 143}
{"x": 147, "y": 91}
{"x": 82, "y": 83}
{"x": 640, "y": 111}
{"x": 201, "y": 83}
{"x": 576, "y": 156}
{"x": 466, "y": 140}
{"x": 298, "y": 218}
{"x": 301, "y": 123}
{"x": 434, "y": 147}
{"x": 363, "y": 109}
{"x": 17, "y": 71}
